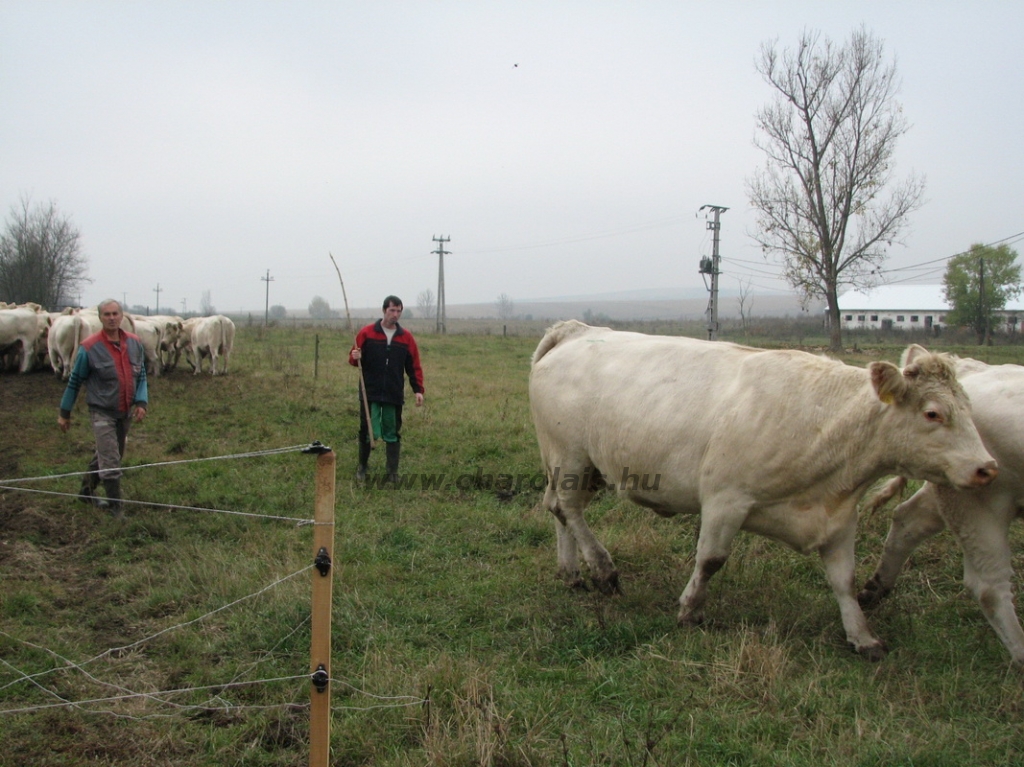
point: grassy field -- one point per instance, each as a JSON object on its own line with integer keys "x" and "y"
{"x": 454, "y": 642}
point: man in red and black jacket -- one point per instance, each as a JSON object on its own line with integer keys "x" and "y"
{"x": 387, "y": 353}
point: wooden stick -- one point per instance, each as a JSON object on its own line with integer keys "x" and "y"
{"x": 359, "y": 363}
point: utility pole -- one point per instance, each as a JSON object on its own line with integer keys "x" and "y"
{"x": 442, "y": 325}
{"x": 711, "y": 266}
{"x": 183, "y": 311}
{"x": 266, "y": 312}
{"x": 157, "y": 291}
{"x": 982, "y": 314}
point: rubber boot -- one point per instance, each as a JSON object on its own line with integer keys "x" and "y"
{"x": 392, "y": 451}
{"x": 86, "y": 492}
{"x": 364, "y": 458}
{"x": 113, "y": 488}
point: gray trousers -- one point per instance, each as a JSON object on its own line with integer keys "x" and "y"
{"x": 110, "y": 433}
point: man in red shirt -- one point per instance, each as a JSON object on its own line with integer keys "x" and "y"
{"x": 387, "y": 353}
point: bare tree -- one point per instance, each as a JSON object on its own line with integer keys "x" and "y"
{"x": 746, "y": 303}
{"x": 425, "y": 303}
{"x": 506, "y": 307}
{"x": 830, "y": 136}
{"x": 206, "y": 307}
{"x": 40, "y": 256}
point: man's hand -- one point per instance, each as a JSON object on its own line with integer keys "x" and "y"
{"x": 140, "y": 413}
{"x": 419, "y": 399}
{"x": 63, "y": 423}
{"x": 356, "y": 354}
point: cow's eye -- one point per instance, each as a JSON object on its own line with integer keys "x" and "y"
{"x": 934, "y": 416}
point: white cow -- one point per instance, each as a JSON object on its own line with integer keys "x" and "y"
{"x": 149, "y": 333}
{"x": 779, "y": 443}
{"x": 66, "y": 334}
{"x": 979, "y": 519}
{"x": 169, "y": 328}
{"x": 183, "y": 343}
{"x": 212, "y": 337}
{"x": 23, "y": 332}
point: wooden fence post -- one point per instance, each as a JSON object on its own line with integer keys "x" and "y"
{"x": 320, "y": 651}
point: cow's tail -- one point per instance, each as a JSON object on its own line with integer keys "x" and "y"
{"x": 557, "y": 333}
{"x": 221, "y": 336}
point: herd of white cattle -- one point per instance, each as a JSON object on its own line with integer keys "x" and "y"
{"x": 33, "y": 338}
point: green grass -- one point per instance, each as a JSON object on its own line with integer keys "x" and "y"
{"x": 446, "y": 593}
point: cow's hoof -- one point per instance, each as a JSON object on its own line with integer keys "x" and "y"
{"x": 687, "y": 620}
{"x": 609, "y": 584}
{"x": 577, "y": 584}
{"x": 873, "y": 653}
{"x": 872, "y": 594}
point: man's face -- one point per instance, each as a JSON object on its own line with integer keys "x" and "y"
{"x": 110, "y": 316}
{"x": 391, "y": 316}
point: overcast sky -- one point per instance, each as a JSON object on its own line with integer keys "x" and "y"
{"x": 564, "y": 147}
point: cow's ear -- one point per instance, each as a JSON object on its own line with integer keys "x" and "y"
{"x": 889, "y": 383}
{"x": 911, "y": 353}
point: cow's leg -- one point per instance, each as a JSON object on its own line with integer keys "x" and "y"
{"x": 914, "y": 521}
{"x": 566, "y": 497}
{"x": 838, "y": 557}
{"x": 719, "y": 523}
{"x": 599, "y": 561}
{"x": 982, "y": 527}
{"x": 213, "y": 361}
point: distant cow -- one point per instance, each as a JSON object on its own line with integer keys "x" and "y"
{"x": 23, "y": 332}
{"x": 212, "y": 337}
{"x": 183, "y": 343}
{"x": 979, "y": 519}
{"x": 66, "y": 334}
{"x": 149, "y": 333}
{"x": 779, "y": 443}
{"x": 169, "y": 329}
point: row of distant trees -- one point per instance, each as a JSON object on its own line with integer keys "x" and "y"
{"x": 827, "y": 203}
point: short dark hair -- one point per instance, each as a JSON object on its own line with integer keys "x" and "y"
{"x": 393, "y": 301}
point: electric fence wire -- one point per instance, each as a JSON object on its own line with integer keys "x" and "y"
{"x": 10, "y": 484}
{"x": 254, "y": 454}
{"x": 215, "y": 702}
{"x": 118, "y": 651}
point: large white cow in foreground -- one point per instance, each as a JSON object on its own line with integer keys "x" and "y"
{"x": 212, "y": 337}
{"x": 979, "y": 519}
{"x": 780, "y": 443}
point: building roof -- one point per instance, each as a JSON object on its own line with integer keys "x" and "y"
{"x": 923, "y": 298}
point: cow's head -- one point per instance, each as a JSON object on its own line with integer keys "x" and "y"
{"x": 937, "y": 437}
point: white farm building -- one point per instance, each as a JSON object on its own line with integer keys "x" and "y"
{"x": 907, "y": 307}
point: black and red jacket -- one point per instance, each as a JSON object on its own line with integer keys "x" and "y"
{"x": 386, "y": 365}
